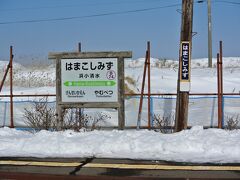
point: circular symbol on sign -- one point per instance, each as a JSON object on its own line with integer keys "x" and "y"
{"x": 111, "y": 75}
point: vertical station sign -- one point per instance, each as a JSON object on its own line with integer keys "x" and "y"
{"x": 185, "y": 66}
{"x": 89, "y": 80}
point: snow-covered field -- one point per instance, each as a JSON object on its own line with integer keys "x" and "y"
{"x": 163, "y": 76}
{"x": 194, "y": 145}
{"x": 34, "y": 80}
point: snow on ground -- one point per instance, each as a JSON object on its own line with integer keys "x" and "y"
{"x": 228, "y": 62}
{"x": 194, "y": 145}
{"x": 4, "y": 64}
{"x": 203, "y": 80}
{"x": 163, "y": 76}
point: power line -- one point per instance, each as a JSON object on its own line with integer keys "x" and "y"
{"x": 88, "y": 16}
{"x": 78, "y": 5}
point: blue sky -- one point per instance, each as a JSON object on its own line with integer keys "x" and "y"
{"x": 124, "y": 31}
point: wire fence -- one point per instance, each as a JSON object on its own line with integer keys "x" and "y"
{"x": 203, "y": 110}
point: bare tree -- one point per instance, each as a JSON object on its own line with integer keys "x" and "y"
{"x": 40, "y": 115}
{"x": 232, "y": 122}
{"x": 163, "y": 123}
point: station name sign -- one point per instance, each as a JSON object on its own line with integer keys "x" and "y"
{"x": 89, "y": 80}
{"x": 185, "y": 65}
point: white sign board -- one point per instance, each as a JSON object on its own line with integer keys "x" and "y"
{"x": 89, "y": 80}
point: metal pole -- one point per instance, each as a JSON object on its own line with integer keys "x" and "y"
{"x": 221, "y": 82}
{"x": 219, "y": 93}
{"x": 142, "y": 91}
{"x": 11, "y": 88}
{"x": 209, "y": 35}
{"x": 149, "y": 86}
{"x": 4, "y": 77}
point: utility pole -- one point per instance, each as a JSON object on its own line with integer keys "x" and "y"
{"x": 183, "y": 85}
{"x": 209, "y": 35}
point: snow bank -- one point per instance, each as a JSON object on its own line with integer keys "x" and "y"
{"x": 16, "y": 66}
{"x": 228, "y": 62}
{"x": 194, "y": 145}
{"x": 38, "y": 76}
